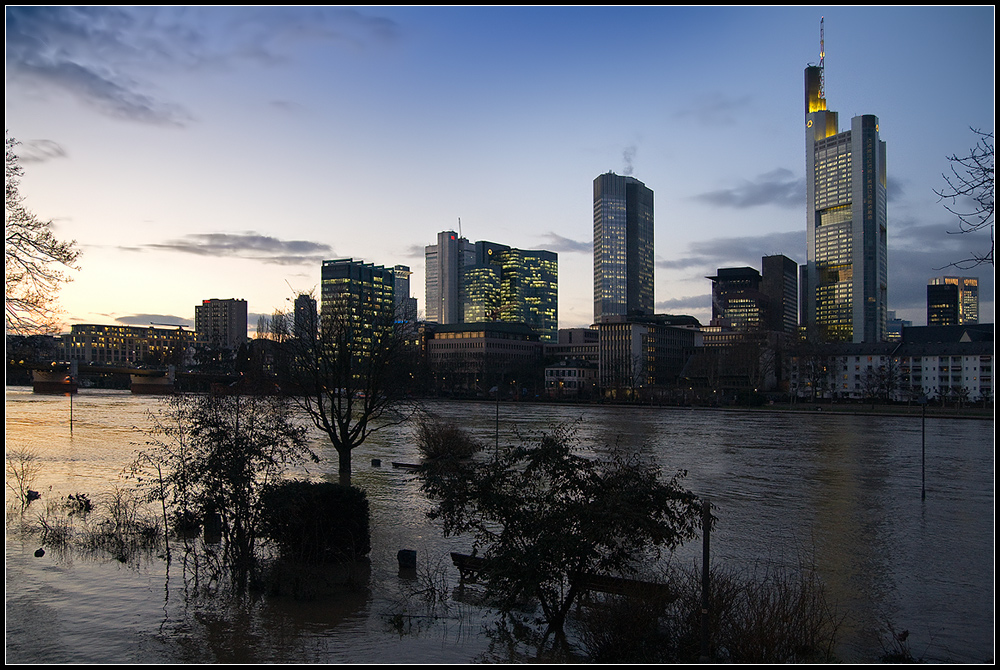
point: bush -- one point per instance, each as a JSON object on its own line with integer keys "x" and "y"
{"x": 316, "y": 522}
{"x": 440, "y": 440}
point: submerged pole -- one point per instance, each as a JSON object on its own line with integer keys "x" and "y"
{"x": 706, "y": 524}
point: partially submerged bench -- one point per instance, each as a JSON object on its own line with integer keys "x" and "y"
{"x": 471, "y": 567}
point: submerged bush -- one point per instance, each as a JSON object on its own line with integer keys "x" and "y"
{"x": 316, "y": 522}
{"x": 438, "y": 440}
{"x": 770, "y": 614}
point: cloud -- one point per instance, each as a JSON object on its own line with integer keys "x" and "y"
{"x": 683, "y": 305}
{"x": 708, "y": 255}
{"x": 779, "y": 187}
{"x": 248, "y": 245}
{"x": 163, "y": 320}
{"x": 558, "y": 243}
{"x": 39, "y": 151}
{"x": 715, "y": 109}
{"x": 108, "y": 57}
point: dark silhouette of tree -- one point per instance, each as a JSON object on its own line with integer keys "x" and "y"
{"x": 353, "y": 378}
{"x": 971, "y": 191}
{"x": 33, "y": 259}
{"x": 216, "y": 455}
{"x": 544, "y": 516}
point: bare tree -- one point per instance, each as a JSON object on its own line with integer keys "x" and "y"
{"x": 33, "y": 259}
{"x": 971, "y": 190}
{"x": 353, "y": 378}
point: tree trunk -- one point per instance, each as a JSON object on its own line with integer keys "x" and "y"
{"x": 345, "y": 466}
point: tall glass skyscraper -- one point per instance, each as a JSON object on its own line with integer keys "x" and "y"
{"x": 623, "y": 247}
{"x": 845, "y": 278}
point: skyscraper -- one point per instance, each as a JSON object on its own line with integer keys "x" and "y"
{"x": 444, "y": 263}
{"x": 845, "y": 289}
{"x": 780, "y": 284}
{"x": 952, "y": 301}
{"x": 486, "y": 281}
{"x": 357, "y": 298}
{"x": 737, "y": 301}
{"x": 623, "y": 247}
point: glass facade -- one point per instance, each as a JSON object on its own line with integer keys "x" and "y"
{"x": 845, "y": 290}
{"x": 623, "y": 247}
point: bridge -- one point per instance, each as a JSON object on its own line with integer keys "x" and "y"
{"x": 64, "y": 377}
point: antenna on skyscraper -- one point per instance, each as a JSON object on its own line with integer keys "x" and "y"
{"x": 459, "y": 227}
{"x": 822, "y": 56}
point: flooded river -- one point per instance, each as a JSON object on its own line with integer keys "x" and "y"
{"x": 843, "y": 491}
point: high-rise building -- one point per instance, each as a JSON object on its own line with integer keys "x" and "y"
{"x": 486, "y": 281}
{"x": 357, "y": 296}
{"x": 623, "y": 247}
{"x": 737, "y": 301}
{"x": 780, "y": 285}
{"x": 952, "y": 301}
{"x": 529, "y": 291}
{"x": 445, "y": 263}
{"x": 405, "y": 305}
{"x": 306, "y": 318}
{"x": 845, "y": 277}
{"x": 221, "y": 323}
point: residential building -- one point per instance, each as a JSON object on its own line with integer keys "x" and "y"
{"x": 845, "y": 283}
{"x": 221, "y": 324}
{"x": 571, "y": 378}
{"x": 952, "y": 301}
{"x": 623, "y": 247}
{"x": 941, "y": 363}
{"x": 128, "y": 346}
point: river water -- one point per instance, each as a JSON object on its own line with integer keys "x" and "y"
{"x": 842, "y": 492}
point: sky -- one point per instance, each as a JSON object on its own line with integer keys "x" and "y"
{"x": 198, "y": 153}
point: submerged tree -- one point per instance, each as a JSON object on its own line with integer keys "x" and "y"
{"x": 544, "y": 517}
{"x": 213, "y": 457}
{"x": 33, "y": 258}
{"x": 971, "y": 190}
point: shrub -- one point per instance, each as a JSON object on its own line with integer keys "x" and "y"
{"x": 316, "y": 522}
{"x": 439, "y": 440}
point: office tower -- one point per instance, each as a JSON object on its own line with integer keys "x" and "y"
{"x": 845, "y": 288}
{"x": 404, "y": 305}
{"x": 306, "y": 318}
{"x": 529, "y": 291}
{"x": 894, "y": 326}
{"x": 780, "y": 286}
{"x": 444, "y": 264}
{"x": 486, "y": 281}
{"x": 358, "y": 298}
{"x": 952, "y": 301}
{"x": 623, "y": 247}
{"x": 737, "y": 302}
{"x": 221, "y": 324}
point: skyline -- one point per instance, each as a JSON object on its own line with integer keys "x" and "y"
{"x": 161, "y": 137}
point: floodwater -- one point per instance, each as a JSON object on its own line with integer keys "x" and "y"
{"x": 840, "y": 492}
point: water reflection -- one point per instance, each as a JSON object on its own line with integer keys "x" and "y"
{"x": 841, "y": 491}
